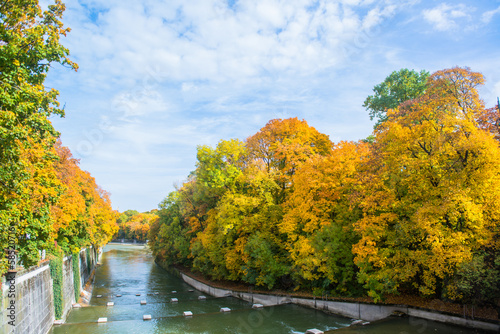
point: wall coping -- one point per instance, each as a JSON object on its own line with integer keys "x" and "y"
{"x": 31, "y": 272}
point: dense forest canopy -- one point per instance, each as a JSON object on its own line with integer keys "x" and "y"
{"x": 412, "y": 210}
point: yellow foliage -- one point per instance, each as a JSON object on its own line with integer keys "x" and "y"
{"x": 433, "y": 184}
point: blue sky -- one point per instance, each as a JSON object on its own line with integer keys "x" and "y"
{"x": 157, "y": 78}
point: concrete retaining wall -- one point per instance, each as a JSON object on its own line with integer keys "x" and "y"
{"x": 68, "y": 287}
{"x": 33, "y": 308}
{"x": 367, "y": 312}
{"x": 33, "y": 305}
{"x": 216, "y": 292}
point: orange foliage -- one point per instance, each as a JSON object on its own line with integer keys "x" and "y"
{"x": 83, "y": 214}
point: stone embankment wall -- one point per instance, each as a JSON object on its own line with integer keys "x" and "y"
{"x": 367, "y": 312}
{"x": 27, "y": 302}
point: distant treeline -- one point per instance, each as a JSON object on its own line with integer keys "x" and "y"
{"x": 412, "y": 209}
{"x": 133, "y": 225}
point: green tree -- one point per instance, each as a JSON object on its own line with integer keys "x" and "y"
{"x": 398, "y": 87}
{"x": 476, "y": 281}
{"x": 218, "y": 168}
{"x": 169, "y": 235}
{"x": 227, "y": 243}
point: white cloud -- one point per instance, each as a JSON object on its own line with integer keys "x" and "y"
{"x": 487, "y": 16}
{"x": 171, "y": 75}
{"x": 206, "y": 40}
{"x": 445, "y": 17}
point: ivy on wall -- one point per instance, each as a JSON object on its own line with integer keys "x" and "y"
{"x": 75, "y": 260}
{"x": 89, "y": 265}
{"x": 56, "y": 273}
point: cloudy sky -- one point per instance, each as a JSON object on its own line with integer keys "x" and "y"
{"x": 158, "y": 78}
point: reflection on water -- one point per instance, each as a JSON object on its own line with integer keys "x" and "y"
{"x": 130, "y": 271}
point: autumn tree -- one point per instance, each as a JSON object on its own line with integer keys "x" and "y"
{"x": 414, "y": 209}
{"x": 82, "y": 215}
{"x": 320, "y": 216}
{"x": 431, "y": 189}
{"x": 134, "y": 225}
{"x": 68, "y": 214}
{"x": 490, "y": 120}
{"x": 398, "y": 87}
{"x": 282, "y": 146}
{"x": 30, "y": 206}
{"x": 223, "y": 221}
{"x": 29, "y": 45}
{"x": 249, "y": 208}
{"x": 242, "y": 220}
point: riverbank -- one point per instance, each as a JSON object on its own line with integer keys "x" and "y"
{"x": 86, "y": 293}
{"x": 361, "y": 308}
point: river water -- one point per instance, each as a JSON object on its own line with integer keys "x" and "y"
{"x": 130, "y": 271}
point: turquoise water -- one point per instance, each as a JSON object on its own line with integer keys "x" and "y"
{"x": 128, "y": 270}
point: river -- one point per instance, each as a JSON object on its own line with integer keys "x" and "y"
{"x": 128, "y": 275}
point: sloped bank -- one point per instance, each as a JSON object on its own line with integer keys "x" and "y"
{"x": 357, "y": 310}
